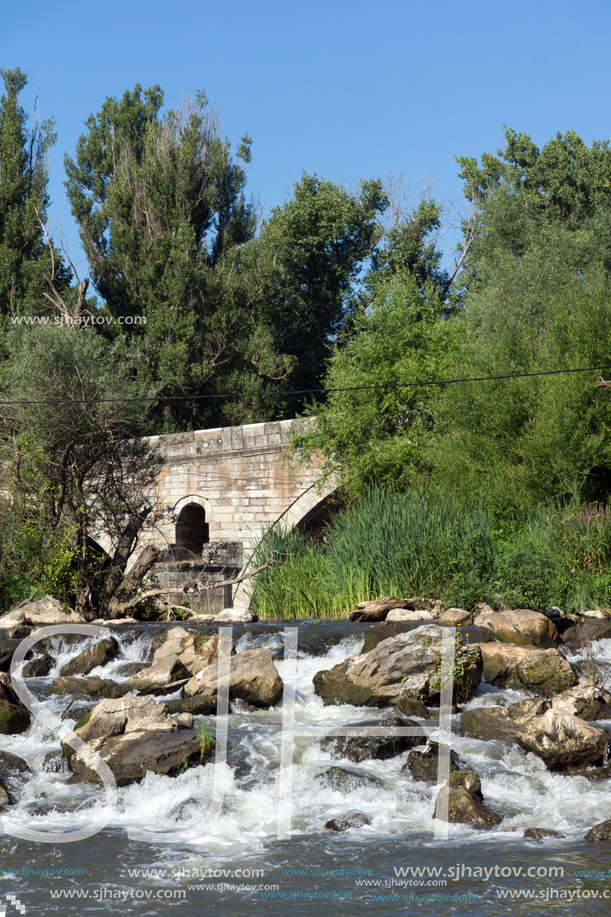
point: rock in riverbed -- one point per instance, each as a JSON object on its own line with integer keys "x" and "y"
{"x": 600, "y": 832}
{"x": 424, "y": 764}
{"x": 588, "y": 630}
{"x": 181, "y": 655}
{"x": 380, "y": 747}
{"x": 539, "y": 834}
{"x": 501, "y": 722}
{"x": 409, "y": 663}
{"x": 455, "y": 803}
{"x": 47, "y": 611}
{"x": 92, "y": 657}
{"x": 90, "y": 685}
{"x": 349, "y": 820}
{"x": 134, "y": 735}
{"x": 562, "y": 740}
{"x": 521, "y": 626}
{"x": 253, "y": 678}
{"x": 14, "y": 717}
{"x": 347, "y": 779}
{"x": 14, "y": 774}
{"x": 543, "y": 671}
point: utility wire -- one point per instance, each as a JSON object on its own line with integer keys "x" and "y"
{"x": 310, "y": 391}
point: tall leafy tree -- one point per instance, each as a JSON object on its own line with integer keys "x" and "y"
{"x": 24, "y": 257}
{"x": 537, "y": 298}
{"x": 316, "y": 246}
{"x": 374, "y": 427}
{"x": 71, "y": 464}
{"x": 159, "y": 199}
{"x": 287, "y": 294}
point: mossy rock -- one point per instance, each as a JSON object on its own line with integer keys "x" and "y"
{"x": 83, "y": 720}
{"x": 13, "y": 718}
{"x": 334, "y": 687}
{"x": 197, "y": 705}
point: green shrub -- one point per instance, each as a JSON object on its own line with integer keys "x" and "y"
{"x": 528, "y": 574}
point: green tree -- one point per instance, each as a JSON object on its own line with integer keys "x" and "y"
{"x": 159, "y": 200}
{"x": 24, "y": 258}
{"x": 536, "y": 298}
{"x": 376, "y": 432}
{"x": 315, "y": 247}
{"x": 72, "y": 462}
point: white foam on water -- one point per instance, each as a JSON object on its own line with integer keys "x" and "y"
{"x": 513, "y": 782}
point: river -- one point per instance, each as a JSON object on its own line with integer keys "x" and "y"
{"x": 237, "y": 864}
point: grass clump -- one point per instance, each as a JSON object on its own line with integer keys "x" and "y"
{"x": 389, "y": 543}
{"x": 429, "y": 544}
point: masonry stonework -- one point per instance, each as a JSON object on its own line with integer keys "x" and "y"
{"x": 245, "y": 478}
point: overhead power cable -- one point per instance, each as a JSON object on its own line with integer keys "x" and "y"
{"x": 215, "y": 396}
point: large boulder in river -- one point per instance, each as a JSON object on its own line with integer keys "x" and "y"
{"x": 47, "y": 611}
{"x": 423, "y": 764}
{"x": 181, "y": 655}
{"x": 347, "y": 779}
{"x": 591, "y": 629}
{"x": 378, "y": 740}
{"x": 89, "y": 685}
{"x": 8, "y": 645}
{"x": 253, "y": 678}
{"x": 14, "y": 718}
{"x": 455, "y": 617}
{"x": 562, "y": 740}
{"x": 133, "y": 735}
{"x": 600, "y": 832}
{"x": 409, "y": 663}
{"x": 159, "y": 675}
{"x": 92, "y": 657}
{"x": 14, "y": 774}
{"x": 335, "y": 686}
{"x": 458, "y": 805}
{"x": 543, "y": 671}
{"x": 39, "y": 665}
{"x": 521, "y": 626}
{"x": 14, "y": 624}
{"x": 198, "y": 705}
{"x": 500, "y": 722}
{"x": 584, "y": 700}
{"x": 348, "y": 820}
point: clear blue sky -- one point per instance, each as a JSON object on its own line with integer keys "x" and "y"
{"x": 347, "y": 88}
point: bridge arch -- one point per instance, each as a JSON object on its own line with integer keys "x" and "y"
{"x": 311, "y": 509}
{"x": 192, "y": 525}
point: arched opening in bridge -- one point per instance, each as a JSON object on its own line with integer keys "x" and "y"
{"x": 315, "y": 522}
{"x": 192, "y": 530}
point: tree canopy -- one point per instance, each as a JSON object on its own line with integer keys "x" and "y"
{"x": 24, "y": 257}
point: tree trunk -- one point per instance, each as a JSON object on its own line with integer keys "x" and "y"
{"x": 121, "y": 555}
{"x": 127, "y": 588}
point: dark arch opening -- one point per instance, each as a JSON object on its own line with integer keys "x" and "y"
{"x": 316, "y": 521}
{"x": 192, "y": 530}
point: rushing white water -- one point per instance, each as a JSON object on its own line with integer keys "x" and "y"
{"x": 513, "y": 782}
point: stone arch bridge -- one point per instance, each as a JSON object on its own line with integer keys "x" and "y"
{"x": 218, "y": 491}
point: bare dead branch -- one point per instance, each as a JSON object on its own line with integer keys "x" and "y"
{"x": 202, "y": 586}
